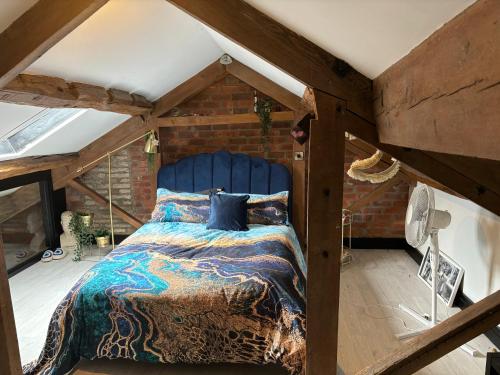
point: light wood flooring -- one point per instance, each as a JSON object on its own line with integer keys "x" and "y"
{"x": 371, "y": 289}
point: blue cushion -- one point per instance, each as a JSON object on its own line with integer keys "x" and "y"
{"x": 228, "y": 212}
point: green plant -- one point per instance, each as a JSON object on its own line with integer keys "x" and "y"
{"x": 102, "y": 232}
{"x": 83, "y": 234}
{"x": 263, "y": 109}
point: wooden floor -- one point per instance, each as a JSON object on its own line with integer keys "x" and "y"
{"x": 371, "y": 289}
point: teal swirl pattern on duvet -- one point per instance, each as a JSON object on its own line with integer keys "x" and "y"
{"x": 174, "y": 206}
{"x": 177, "y": 292}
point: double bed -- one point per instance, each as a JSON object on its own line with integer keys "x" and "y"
{"x": 176, "y": 292}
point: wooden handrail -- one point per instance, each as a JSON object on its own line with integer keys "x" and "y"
{"x": 441, "y": 339}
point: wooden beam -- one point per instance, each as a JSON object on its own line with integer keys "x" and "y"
{"x": 375, "y": 194}
{"x": 268, "y": 87}
{"x": 324, "y": 235}
{"x": 100, "y": 200}
{"x": 365, "y": 150}
{"x": 117, "y": 137}
{"x": 472, "y": 180}
{"x": 292, "y": 53}
{"x": 441, "y": 339}
{"x": 52, "y": 92}
{"x": 444, "y": 95}
{"x": 186, "y": 90}
{"x": 37, "y": 30}
{"x": 16, "y": 167}
{"x": 10, "y": 360}
{"x": 18, "y": 201}
{"x": 240, "y": 118}
{"x": 299, "y": 201}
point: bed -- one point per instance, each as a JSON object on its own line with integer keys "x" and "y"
{"x": 176, "y": 292}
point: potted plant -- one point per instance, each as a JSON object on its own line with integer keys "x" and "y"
{"x": 87, "y": 218}
{"x": 102, "y": 237}
{"x": 81, "y": 228}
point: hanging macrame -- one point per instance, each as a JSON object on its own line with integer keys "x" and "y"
{"x": 358, "y": 166}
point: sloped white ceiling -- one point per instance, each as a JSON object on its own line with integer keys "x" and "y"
{"x": 371, "y": 35}
{"x": 141, "y": 46}
{"x": 150, "y": 47}
{"x": 10, "y": 10}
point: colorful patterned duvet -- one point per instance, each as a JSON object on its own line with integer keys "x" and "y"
{"x": 177, "y": 292}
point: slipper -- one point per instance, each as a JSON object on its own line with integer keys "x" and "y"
{"x": 47, "y": 256}
{"x": 21, "y": 254}
{"x": 58, "y": 254}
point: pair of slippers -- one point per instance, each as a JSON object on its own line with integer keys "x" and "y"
{"x": 50, "y": 255}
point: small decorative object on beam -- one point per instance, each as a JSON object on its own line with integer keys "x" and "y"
{"x": 358, "y": 166}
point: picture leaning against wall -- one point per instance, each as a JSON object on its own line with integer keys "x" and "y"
{"x": 449, "y": 276}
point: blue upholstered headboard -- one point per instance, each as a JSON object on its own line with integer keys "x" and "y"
{"x": 236, "y": 173}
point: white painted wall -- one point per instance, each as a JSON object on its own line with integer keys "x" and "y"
{"x": 473, "y": 241}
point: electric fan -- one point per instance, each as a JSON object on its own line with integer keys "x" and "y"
{"x": 422, "y": 221}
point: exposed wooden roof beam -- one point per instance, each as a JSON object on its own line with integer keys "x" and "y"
{"x": 441, "y": 339}
{"x": 189, "y": 88}
{"x": 100, "y": 200}
{"x": 285, "y": 49}
{"x": 472, "y": 180}
{"x": 52, "y": 92}
{"x": 16, "y": 167}
{"x": 122, "y": 134}
{"x": 268, "y": 87}
{"x": 37, "y": 30}
{"x": 240, "y": 118}
{"x": 365, "y": 150}
{"x": 444, "y": 96}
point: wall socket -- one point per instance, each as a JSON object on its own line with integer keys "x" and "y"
{"x": 298, "y": 155}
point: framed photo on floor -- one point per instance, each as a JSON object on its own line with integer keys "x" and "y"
{"x": 449, "y": 273}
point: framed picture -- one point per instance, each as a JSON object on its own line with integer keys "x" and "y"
{"x": 449, "y": 276}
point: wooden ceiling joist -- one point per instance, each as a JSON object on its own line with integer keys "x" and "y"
{"x": 240, "y": 118}
{"x": 365, "y": 150}
{"x": 285, "y": 49}
{"x": 186, "y": 90}
{"x": 441, "y": 339}
{"x": 478, "y": 186}
{"x": 37, "y": 30}
{"x": 100, "y": 200}
{"x": 16, "y": 167}
{"x": 444, "y": 96}
{"x": 52, "y": 92}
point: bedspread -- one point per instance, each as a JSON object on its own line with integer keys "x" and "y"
{"x": 177, "y": 292}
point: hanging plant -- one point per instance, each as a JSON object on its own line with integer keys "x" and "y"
{"x": 263, "y": 109}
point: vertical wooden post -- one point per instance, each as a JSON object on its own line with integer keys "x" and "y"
{"x": 299, "y": 193}
{"x": 325, "y": 183}
{"x": 10, "y": 361}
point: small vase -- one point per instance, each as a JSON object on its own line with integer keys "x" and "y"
{"x": 87, "y": 219}
{"x": 102, "y": 241}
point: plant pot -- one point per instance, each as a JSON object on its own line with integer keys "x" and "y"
{"x": 87, "y": 219}
{"x": 102, "y": 241}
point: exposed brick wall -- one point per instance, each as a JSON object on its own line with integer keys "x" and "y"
{"x": 382, "y": 218}
{"x": 132, "y": 188}
{"x": 227, "y": 96}
{"x": 133, "y": 185}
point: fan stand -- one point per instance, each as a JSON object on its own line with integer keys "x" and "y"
{"x": 434, "y": 255}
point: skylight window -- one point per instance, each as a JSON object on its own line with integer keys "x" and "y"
{"x": 36, "y": 129}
